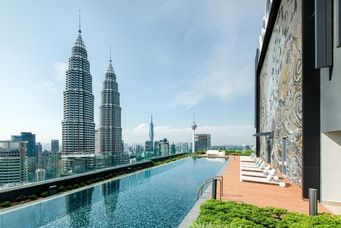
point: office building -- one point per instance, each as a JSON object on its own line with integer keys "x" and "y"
{"x": 13, "y": 163}
{"x": 31, "y": 142}
{"x": 164, "y": 147}
{"x": 111, "y": 144}
{"x": 151, "y": 131}
{"x": 78, "y": 127}
{"x": 150, "y": 150}
{"x": 172, "y": 149}
{"x": 55, "y": 145}
{"x": 48, "y": 162}
{"x": 38, "y": 149}
{"x": 40, "y": 174}
{"x": 202, "y": 142}
{"x": 182, "y": 147}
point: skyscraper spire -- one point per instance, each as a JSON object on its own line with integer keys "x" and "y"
{"x": 151, "y": 130}
{"x": 78, "y": 124}
{"x": 110, "y": 54}
{"x": 110, "y": 118}
{"x": 79, "y": 21}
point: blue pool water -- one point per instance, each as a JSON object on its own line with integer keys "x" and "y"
{"x": 156, "y": 197}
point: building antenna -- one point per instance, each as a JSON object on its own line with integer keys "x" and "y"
{"x": 110, "y": 53}
{"x": 79, "y": 21}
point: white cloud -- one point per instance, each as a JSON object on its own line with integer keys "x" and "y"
{"x": 224, "y": 73}
{"x": 221, "y": 135}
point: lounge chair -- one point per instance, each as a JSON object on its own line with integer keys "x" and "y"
{"x": 255, "y": 164}
{"x": 268, "y": 180}
{"x": 251, "y": 158}
{"x": 263, "y": 174}
{"x": 262, "y": 168}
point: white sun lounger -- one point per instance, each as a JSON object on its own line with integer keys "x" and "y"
{"x": 268, "y": 180}
{"x": 261, "y": 169}
{"x": 251, "y": 158}
{"x": 249, "y": 164}
{"x": 265, "y": 174}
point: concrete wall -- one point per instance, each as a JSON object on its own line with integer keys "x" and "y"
{"x": 331, "y": 88}
{"x": 330, "y": 166}
{"x": 331, "y": 125}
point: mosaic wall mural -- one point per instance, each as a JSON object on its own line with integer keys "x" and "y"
{"x": 281, "y": 90}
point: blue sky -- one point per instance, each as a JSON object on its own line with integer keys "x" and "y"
{"x": 172, "y": 58}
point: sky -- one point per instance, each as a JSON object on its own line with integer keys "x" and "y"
{"x": 172, "y": 58}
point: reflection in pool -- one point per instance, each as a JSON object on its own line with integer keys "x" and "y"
{"x": 156, "y": 197}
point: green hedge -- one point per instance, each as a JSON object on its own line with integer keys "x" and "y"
{"x": 239, "y": 152}
{"x": 215, "y": 213}
{"x": 156, "y": 163}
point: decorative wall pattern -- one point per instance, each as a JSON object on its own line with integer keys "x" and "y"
{"x": 281, "y": 90}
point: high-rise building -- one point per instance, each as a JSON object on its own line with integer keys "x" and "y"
{"x": 40, "y": 174}
{"x": 151, "y": 130}
{"x": 39, "y": 149}
{"x": 164, "y": 147}
{"x": 13, "y": 162}
{"x": 157, "y": 148}
{"x": 182, "y": 147}
{"x": 149, "y": 150}
{"x": 172, "y": 149}
{"x": 78, "y": 125}
{"x": 110, "y": 118}
{"x": 54, "y": 145}
{"x": 30, "y": 139}
{"x": 202, "y": 142}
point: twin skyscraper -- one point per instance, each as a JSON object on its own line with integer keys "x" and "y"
{"x": 78, "y": 126}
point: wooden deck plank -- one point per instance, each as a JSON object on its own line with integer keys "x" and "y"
{"x": 262, "y": 195}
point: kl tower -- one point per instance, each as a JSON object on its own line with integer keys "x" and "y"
{"x": 194, "y": 127}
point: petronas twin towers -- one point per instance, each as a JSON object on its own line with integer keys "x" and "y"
{"x": 78, "y": 125}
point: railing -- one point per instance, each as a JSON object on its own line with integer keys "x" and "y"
{"x": 218, "y": 178}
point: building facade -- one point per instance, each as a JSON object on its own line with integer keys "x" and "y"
{"x": 151, "y": 131}
{"x": 13, "y": 162}
{"x": 149, "y": 149}
{"x": 28, "y": 137}
{"x": 163, "y": 147}
{"x": 297, "y": 73}
{"x": 55, "y": 145}
{"x": 202, "y": 142}
{"x": 110, "y": 130}
{"x": 78, "y": 125}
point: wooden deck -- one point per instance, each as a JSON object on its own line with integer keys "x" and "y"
{"x": 262, "y": 195}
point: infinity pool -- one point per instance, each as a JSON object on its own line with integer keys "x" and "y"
{"x": 155, "y": 197}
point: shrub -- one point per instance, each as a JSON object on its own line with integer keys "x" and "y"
{"x": 69, "y": 187}
{"x": 231, "y": 214}
{"x": 75, "y": 186}
{"x": 33, "y": 197}
{"x": 6, "y": 204}
{"x": 20, "y": 198}
{"x": 88, "y": 182}
{"x": 44, "y": 194}
{"x": 82, "y": 184}
{"x": 61, "y": 188}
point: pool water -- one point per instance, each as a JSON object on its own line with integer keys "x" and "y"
{"x": 155, "y": 197}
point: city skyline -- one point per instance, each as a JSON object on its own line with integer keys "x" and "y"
{"x": 159, "y": 64}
